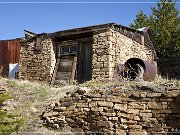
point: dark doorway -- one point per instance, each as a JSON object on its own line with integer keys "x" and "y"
{"x": 84, "y": 66}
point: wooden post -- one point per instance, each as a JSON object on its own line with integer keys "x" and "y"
{"x": 55, "y": 71}
{"x": 73, "y": 70}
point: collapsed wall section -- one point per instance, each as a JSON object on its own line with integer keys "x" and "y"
{"x": 37, "y": 65}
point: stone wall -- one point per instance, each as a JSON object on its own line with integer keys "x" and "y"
{"x": 100, "y": 59}
{"x": 111, "y": 48}
{"x": 37, "y": 65}
{"x": 113, "y": 111}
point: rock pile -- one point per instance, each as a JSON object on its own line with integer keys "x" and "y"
{"x": 115, "y": 112}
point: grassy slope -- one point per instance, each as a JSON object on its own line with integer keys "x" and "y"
{"x": 30, "y": 98}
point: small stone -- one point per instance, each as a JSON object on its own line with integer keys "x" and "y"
{"x": 108, "y": 114}
{"x": 122, "y": 126}
{"x": 56, "y": 126}
{"x": 136, "y": 118}
{"x": 49, "y": 121}
{"x": 120, "y": 132}
{"x": 82, "y": 90}
{"x": 68, "y": 103}
{"x": 7, "y": 108}
{"x": 143, "y": 94}
{"x": 96, "y": 109}
{"x": 133, "y": 111}
{"x": 77, "y": 131}
{"x": 147, "y": 115}
{"x": 66, "y": 98}
{"x": 105, "y": 104}
{"x": 33, "y": 109}
{"x": 86, "y": 109}
{"x": 60, "y": 109}
{"x": 69, "y": 120}
{"x": 70, "y": 108}
{"x": 113, "y": 118}
{"x": 49, "y": 114}
{"x": 82, "y": 105}
{"x": 137, "y": 132}
{"x": 121, "y": 107}
{"x": 135, "y": 127}
{"x": 136, "y": 105}
{"x": 135, "y": 94}
{"x": 156, "y": 105}
{"x": 173, "y": 93}
{"x": 126, "y": 121}
{"x": 153, "y": 94}
{"x": 106, "y": 124}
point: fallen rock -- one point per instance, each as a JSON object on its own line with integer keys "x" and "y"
{"x": 33, "y": 109}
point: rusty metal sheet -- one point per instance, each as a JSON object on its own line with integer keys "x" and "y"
{"x": 13, "y": 51}
{"x": 4, "y": 58}
{"x": 150, "y": 71}
{"x": 9, "y": 53}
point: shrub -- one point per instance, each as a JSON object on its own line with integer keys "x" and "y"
{"x": 8, "y": 122}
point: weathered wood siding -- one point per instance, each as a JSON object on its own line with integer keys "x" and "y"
{"x": 9, "y": 54}
{"x": 84, "y": 61}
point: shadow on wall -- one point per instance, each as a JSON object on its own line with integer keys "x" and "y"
{"x": 172, "y": 119}
{"x": 169, "y": 67}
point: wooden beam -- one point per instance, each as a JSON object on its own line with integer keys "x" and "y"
{"x": 54, "y": 73}
{"x": 73, "y": 70}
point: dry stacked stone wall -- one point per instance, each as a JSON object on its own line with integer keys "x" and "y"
{"x": 112, "y": 111}
{"x": 111, "y": 48}
{"x": 37, "y": 64}
{"x": 101, "y": 52}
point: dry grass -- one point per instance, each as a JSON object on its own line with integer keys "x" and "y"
{"x": 27, "y": 95}
{"x": 158, "y": 85}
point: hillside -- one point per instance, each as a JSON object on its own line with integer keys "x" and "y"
{"x": 28, "y": 100}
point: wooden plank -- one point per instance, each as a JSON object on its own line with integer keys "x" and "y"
{"x": 63, "y": 78}
{"x": 65, "y": 63}
{"x": 73, "y": 70}
{"x": 64, "y": 69}
{"x": 63, "y": 73}
{"x": 54, "y": 73}
{"x": 66, "y": 76}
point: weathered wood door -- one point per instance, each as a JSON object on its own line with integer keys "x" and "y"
{"x": 84, "y": 66}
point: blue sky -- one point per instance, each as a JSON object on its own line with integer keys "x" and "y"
{"x": 51, "y": 17}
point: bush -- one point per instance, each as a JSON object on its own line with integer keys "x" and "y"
{"x": 8, "y": 122}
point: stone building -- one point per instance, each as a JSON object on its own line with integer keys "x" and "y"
{"x": 82, "y": 54}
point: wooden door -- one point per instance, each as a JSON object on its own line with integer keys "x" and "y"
{"x": 84, "y": 66}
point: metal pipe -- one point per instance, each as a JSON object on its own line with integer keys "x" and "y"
{"x": 135, "y": 68}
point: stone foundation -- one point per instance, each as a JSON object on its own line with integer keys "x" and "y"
{"x": 115, "y": 112}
